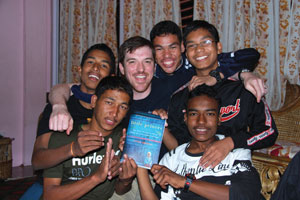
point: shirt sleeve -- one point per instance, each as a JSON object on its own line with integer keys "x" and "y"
{"x": 56, "y": 171}
{"x": 262, "y": 131}
{"x": 233, "y": 62}
{"x": 245, "y": 182}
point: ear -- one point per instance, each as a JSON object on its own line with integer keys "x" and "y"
{"x": 94, "y": 101}
{"x": 219, "y": 46}
{"x": 78, "y": 69}
{"x": 121, "y": 68}
{"x": 182, "y": 47}
{"x": 219, "y": 120}
{"x": 185, "y": 117}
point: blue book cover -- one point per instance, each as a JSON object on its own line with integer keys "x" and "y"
{"x": 143, "y": 138}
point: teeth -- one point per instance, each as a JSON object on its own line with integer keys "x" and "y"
{"x": 94, "y": 76}
{"x": 140, "y": 76}
{"x": 201, "y": 129}
{"x": 168, "y": 63}
{"x": 201, "y": 58}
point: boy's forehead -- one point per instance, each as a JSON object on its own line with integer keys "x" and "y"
{"x": 99, "y": 54}
{"x": 115, "y": 94}
{"x": 199, "y": 33}
{"x": 166, "y": 36}
{"x": 203, "y": 101}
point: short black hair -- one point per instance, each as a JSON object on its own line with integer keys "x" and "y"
{"x": 204, "y": 90}
{"x": 200, "y": 24}
{"x": 164, "y": 28}
{"x": 132, "y": 44}
{"x": 102, "y": 47}
{"x": 114, "y": 83}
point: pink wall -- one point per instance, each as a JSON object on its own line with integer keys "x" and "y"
{"x": 25, "y": 60}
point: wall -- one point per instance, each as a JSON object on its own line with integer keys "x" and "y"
{"x": 25, "y": 60}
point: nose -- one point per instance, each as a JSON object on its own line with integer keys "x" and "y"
{"x": 167, "y": 53}
{"x": 114, "y": 111}
{"x": 201, "y": 119}
{"x": 199, "y": 47}
{"x": 96, "y": 67}
{"x": 140, "y": 67}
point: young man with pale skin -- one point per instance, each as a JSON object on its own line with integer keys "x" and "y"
{"x": 91, "y": 176}
{"x": 179, "y": 173}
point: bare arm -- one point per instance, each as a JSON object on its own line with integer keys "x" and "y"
{"x": 54, "y": 156}
{"x": 169, "y": 140}
{"x": 253, "y": 84}
{"x": 60, "y": 93}
{"x": 53, "y": 189}
{"x": 164, "y": 176}
{"x": 86, "y": 142}
{"x": 60, "y": 118}
{"x": 145, "y": 187}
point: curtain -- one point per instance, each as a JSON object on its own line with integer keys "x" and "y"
{"x": 137, "y": 17}
{"x": 270, "y": 26}
{"x": 82, "y": 24}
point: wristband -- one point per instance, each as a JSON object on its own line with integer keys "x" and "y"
{"x": 188, "y": 182}
{"x": 216, "y": 75}
{"x": 73, "y": 155}
{"x": 239, "y": 74}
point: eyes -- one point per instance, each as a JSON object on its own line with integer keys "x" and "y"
{"x": 204, "y": 43}
{"x": 133, "y": 62}
{"x": 123, "y": 107}
{"x": 173, "y": 47}
{"x": 207, "y": 113}
{"x": 91, "y": 62}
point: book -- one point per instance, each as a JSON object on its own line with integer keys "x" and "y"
{"x": 143, "y": 138}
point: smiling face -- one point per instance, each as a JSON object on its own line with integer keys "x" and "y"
{"x": 109, "y": 110}
{"x": 138, "y": 69}
{"x": 202, "y": 118}
{"x": 203, "y": 56}
{"x": 168, "y": 51}
{"x": 95, "y": 67}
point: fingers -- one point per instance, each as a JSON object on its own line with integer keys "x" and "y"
{"x": 161, "y": 112}
{"x": 128, "y": 169}
{"x": 115, "y": 165}
{"x": 254, "y": 84}
{"x": 70, "y": 127}
{"x": 209, "y": 159}
{"x": 155, "y": 168}
{"x": 60, "y": 118}
{"x": 122, "y": 140}
{"x": 215, "y": 153}
{"x": 88, "y": 141}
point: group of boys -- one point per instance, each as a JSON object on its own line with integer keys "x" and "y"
{"x": 86, "y": 164}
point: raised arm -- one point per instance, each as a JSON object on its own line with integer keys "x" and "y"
{"x": 53, "y": 189}
{"x": 86, "y": 142}
{"x": 60, "y": 118}
{"x": 233, "y": 62}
